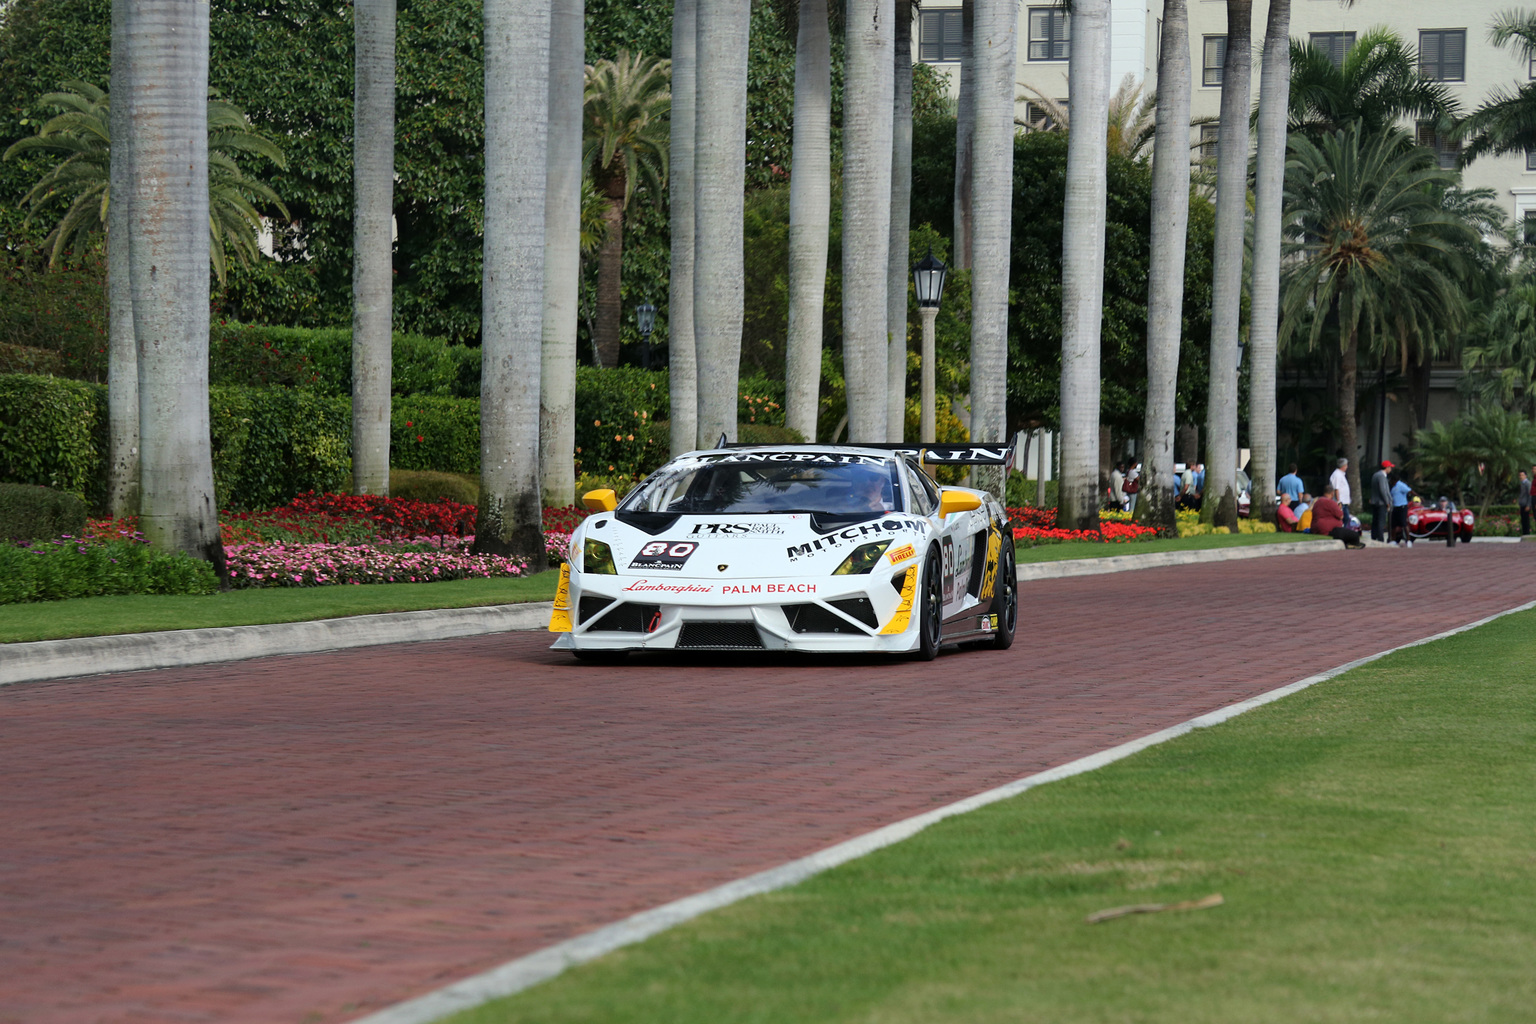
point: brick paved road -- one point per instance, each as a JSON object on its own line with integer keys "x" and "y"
{"x": 301, "y": 839}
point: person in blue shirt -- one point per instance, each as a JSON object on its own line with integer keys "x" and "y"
{"x": 1291, "y": 486}
{"x": 1400, "y": 493}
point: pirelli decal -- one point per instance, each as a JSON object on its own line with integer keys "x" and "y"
{"x": 989, "y": 579}
{"x": 560, "y": 617}
{"x": 903, "y": 616}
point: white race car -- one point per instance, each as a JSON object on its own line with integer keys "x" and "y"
{"x": 817, "y": 548}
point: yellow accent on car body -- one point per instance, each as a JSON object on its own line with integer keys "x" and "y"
{"x": 903, "y": 616}
{"x": 989, "y": 579}
{"x": 601, "y": 500}
{"x": 560, "y": 617}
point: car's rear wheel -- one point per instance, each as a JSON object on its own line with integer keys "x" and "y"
{"x": 1005, "y": 599}
{"x": 930, "y": 616}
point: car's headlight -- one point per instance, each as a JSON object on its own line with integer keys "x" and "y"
{"x": 861, "y": 559}
{"x": 597, "y": 558}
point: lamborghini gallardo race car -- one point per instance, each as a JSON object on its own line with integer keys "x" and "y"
{"x": 792, "y": 548}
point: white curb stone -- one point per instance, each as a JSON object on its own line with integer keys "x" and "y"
{"x": 61, "y": 659}
{"x": 1158, "y": 559}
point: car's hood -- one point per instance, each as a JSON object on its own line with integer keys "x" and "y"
{"x": 667, "y": 546}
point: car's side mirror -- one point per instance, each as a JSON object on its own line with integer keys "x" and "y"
{"x": 601, "y": 500}
{"x": 957, "y": 501}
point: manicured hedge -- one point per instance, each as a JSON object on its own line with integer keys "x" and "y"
{"x": 28, "y": 512}
{"x": 271, "y": 443}
{"x": 321, "y": 360}
{"x": 52, "y": 432}
{"x": 427, "y": 432}
{"x": 51, "y": 571}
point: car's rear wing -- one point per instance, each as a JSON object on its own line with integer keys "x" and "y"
{"x": 934, "y": 454}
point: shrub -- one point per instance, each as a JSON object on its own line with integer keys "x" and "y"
{"x": 621, "y": 418}
{"x": 426, "y": 485}
{"x": 39, "y": 513}
{"x": 61, "y": 313}
{"x": 68, "y": 568}
{"x": 52, "y": 432}
{"x": 320, "y": 359}
{"x": 438, "y": 434}
{"x": 270, "y": 444}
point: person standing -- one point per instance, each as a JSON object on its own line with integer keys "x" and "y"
{"x": 1339, "y": 481}
{"x": 1132, "y": 486}
{"x": 1381, "y": 501}
{"x": 1117, "y": 486}
{"x": 1524, "y": 501}
{"x": 1291, "y": 486}
{"x": 1400, "y": 493}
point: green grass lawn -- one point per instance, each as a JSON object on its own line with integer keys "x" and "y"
{"x": 101, "y": 616}
{"x": 1094, "y": 549}
{"x": 1374, "y": 838}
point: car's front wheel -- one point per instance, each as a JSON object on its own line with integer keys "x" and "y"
{"x": 930, "y": 616}
{"x": 1005, "y": 600}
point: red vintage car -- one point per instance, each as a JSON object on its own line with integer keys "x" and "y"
{"x": 1426, "y": 521}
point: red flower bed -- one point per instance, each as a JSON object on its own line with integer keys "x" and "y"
{"x": 564, "y": 520}
{"x": 1038, "y": 526}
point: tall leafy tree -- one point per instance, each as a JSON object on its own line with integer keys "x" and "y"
{"x": 517, "y": 40}
{"x": 1082, "y": 266}
{"x": 1372, "y": 252}
{"x": 373, "y": 173}
{"x": 1264, "y": 292}
{"x": 682, "y": 350}
{"x": 810, "y": 216}
{"x": 867, "y": 125}
{"x": 1378, "y": 84}
{"x": 719, "y": 178}
{"x": 562, "y": 253}
{"x": 1506, "y": 120}
{"x": 626, "y": 143}
{"x": 901, "y": 228}
{"x": 1220, "y": 504}
{"x": 1165, "y": 280}
{"x": 166, "y": 43}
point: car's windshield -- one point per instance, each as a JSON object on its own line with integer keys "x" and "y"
{"x": 751, "y": 483}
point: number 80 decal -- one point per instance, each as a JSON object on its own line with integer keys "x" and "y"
{"x": 669, "y": 555}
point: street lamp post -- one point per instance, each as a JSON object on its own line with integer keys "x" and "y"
{"x": 645, "y": 318}
{"x": 928, "y": 276}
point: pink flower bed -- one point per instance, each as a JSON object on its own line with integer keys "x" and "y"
{"x": 321, "y": 565}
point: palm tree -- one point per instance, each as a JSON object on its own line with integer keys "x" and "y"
{"x": 627, "y": 102}
{"x": 1501, "y": 359}
{"x": 517, "y": 41}
{"x": 867, "y": 127}
{"x": 720, "y": 142}
{"x": 899, "y": 254}
{"x": 965, "y": 133}
{"x": 1506, "y": 121}
{"x": 1378, "y": 84}
{"x": 1264, "y": 292}
{"x": 373, "y": 177}
{"x": 681, "y": 351}
{"x": 810, "y": 215}
{"x": 1372, "y": 251}
{"x": 122, "y": 351}
{"x": 1082, "y": 266}
{"x": 1220, "y": 504}
{"x": 1132, "y": 124}
{"x": 1165, "y": 280}
{"x": 168, "y": 221}
{"x": 562, "y": 253}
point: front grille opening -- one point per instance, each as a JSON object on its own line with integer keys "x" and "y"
{"x": 720, "y": 636}
{"x": 590, "y": 606}
{"x": 813, "y": 618}
{"x": 630, "y": 618}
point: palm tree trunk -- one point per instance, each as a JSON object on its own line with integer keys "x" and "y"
{"x": 1082, "y": 266}
{"x": 562, "y": 253}
{"x": 610, "y": 263}
{"x": 1165, "y": 283}
{"x": 167, "y": 49}
{"x": 1349, "y": 373}
{"x": 682, "y": 355}
{"x": 810, "y": 215}
{"x": 1220, "y": 503}
{"x": 867, "y": 107}
{"x": 1268, "y": 192}
{"x": 517, "y": 42}
{"x": 373, "y": 176}
{"x": 122, "y": 354}
{"x": 720, "y": 144}
{"x": 965, "y": 134}
{"x": 901, "y": 230}
{"x": 993, "y": 58}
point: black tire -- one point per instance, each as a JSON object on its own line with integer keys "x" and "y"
{"x": 930, "y": 610}
{"x": 1005, "y": 597}
{"x": 601, "y": 657}
{"x": 1466, "y": 538}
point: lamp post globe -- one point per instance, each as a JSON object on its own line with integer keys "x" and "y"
{"x": 928, "y": 277}
{"x": 645, "y": 319}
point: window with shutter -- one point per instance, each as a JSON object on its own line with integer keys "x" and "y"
{"x": 1334, "y": 44}
{"x": 1215, "y": 57}
{"x": 938, "y": 37}
{"x": 1443, "y": 55}
{"x": 1049, "y": 33}
{"x": 1529, "y": 227}
{"x": 1530, "y": 159}
{"x": 1446, "y": 151}
{"x": 1210, "y": 134}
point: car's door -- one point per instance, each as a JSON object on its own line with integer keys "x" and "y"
{"x": 962, "y": 539}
